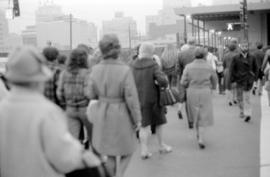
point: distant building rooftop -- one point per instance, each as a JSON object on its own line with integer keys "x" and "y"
{"x": 220, "y": 12}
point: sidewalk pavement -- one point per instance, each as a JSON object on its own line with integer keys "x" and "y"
{"x": 265, "y": 136}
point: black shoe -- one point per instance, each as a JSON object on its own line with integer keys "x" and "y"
{"x": 254, "y": 91}
{"x": 180, "y": 115}
{"x": 230, "y": 104}
{"x": 247, "y": 119}
{"x": 235, "y": 102}
{"x": 201, "y": 146}
{"x": 190, "y": 125}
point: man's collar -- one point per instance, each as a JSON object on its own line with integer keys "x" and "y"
{"x": 244, "y": 54}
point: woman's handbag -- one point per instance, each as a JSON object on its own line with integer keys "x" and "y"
{"x": 100, "y": 171}
{"x": 168, "y": 96}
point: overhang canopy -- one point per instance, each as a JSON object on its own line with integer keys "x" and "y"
{"x": 220, "y": 12}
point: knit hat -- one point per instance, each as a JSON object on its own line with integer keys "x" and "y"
{"x": 146, "y": 50}
{"x": 26, "y": 65}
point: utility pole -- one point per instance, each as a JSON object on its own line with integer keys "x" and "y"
{"x": 243, "y": 18}
{"x": 70, "y": 31}
{"x": 185, "y": 29}
{"x": 129, "y": 36}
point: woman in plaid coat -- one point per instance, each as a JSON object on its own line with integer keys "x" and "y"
{"x": 71, "y": 91}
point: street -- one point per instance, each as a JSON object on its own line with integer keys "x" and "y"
{"x": 232, "y": 147}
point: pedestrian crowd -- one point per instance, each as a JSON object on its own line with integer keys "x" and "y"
{"x": 61, "y": 114}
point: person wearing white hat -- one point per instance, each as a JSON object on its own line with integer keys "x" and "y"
{"x": 34, "y": 137}
{"x": 147, "y": 74}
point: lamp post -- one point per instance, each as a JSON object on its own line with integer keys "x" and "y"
{"x": 185, "y": 27}
{"x": 70, "y": 31}
{"x": 129, "y": 36}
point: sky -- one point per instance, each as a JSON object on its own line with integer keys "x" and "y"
{"x": 91, "y": 10}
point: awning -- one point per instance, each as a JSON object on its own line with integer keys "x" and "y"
{"x": 217, "y": 16}
{"x": 220, "y": 12}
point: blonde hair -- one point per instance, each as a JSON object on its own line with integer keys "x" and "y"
{"x": 169, "y": 56}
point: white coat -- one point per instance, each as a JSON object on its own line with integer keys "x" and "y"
{"x": 34, "y": 138}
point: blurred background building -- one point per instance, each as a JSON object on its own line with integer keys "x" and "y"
{"x": 124, "y": 27}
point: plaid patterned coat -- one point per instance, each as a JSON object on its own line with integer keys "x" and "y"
{"x": 51, "y": 85}
{"x": 72, "y": 87}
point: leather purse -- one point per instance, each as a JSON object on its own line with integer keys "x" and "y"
{"x": 100, "y": 171}
{"x": 167, "y": 97}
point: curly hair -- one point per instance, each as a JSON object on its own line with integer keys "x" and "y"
{"x": 77, "y": 60}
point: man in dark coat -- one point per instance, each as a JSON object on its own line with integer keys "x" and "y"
{"x": 243, "y": 72}
{"x": 185, "y": 57}
{"x": 259, "y": 55}
{"x": 227, "y": 60}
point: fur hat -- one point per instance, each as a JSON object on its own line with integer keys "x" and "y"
{"x": 26, "y": 65}
{"x": 146, "y": 50}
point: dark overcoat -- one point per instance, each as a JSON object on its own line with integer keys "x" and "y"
{"x": 227, "y": 61}
{"x": 148, "y": 76}
{"x": 243, "y": 71}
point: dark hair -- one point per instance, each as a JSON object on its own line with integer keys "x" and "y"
{"x": 259, "y": 45}
{"x": 232, "y": 46}
{"x": 77, "y": 60}
{"x": 61, "y": 59}
{"x": 50, "y": 53}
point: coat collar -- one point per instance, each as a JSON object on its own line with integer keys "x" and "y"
{"x": 144, "y": 63}
{"x": 112, "y": 61}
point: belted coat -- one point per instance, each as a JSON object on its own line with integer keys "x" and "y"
{"x": 116, "y": 110}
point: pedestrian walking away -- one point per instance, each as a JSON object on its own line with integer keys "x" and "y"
{"x": 71, "y": 92}
{"x": 115, "y": 113}
{"x": 199, "y": 78}
{"x": 230, "y": 88}
{"x": 259, "y": 56}
{"x": 185, "y": 57}
{"x": 148, "y": 77}
{"x": 168, "y": 63}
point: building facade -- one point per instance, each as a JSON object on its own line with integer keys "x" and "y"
{"x": 217, "y": 19}
{"x": 176, "y": 3}
{"x": 3, "y": 31}
{"x": 165, "y": 25}
{"x": 222, "y": 2}
{"x": 124, "y": 27}
{"x": 63, "y": 31}
{"x": 29, "y": 36}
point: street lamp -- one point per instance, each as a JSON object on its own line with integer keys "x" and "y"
{"x": 212, "y": 31}
{"x": 185, "y": 27}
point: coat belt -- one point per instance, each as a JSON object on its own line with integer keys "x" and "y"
{"x": 111, "y": 100}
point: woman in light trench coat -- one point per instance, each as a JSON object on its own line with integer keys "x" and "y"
{"x": 199, "y": 78}
{"x": 116, "y": 112}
